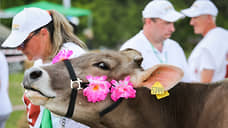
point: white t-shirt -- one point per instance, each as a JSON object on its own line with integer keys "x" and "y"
{"x": 171, "y": 53}
{"x": 5, "y": 106}
{"x": 56, "y": 120}
{"x": 210, "y": 53}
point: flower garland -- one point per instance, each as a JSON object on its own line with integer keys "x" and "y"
{"x": 99, "y": 88}
{"x": 122, "y": 89}
{"x": 62, "y": 55}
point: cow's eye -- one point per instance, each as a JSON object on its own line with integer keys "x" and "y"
{"x": 102, "y": 65}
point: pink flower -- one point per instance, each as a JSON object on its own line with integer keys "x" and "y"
{"x": 62, "y": 55}
{"x": 122, "y": 89}
{"x": 98, "y": 88}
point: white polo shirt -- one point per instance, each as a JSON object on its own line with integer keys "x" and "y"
{"x": 171, "y": 53}
{"x": 210, "y": 53}
{"x": 5, "y": 107}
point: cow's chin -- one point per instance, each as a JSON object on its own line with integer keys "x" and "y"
{"x": 35, "y": 97}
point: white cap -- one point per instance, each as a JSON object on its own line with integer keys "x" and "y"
{"x": 24, "y": 23}
{"x": 201, "y": 7}
{"x": 162, "y": 9}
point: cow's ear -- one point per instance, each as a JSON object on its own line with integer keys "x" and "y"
{"x": 167, "y": 75}
{"x": 134, "y": 54}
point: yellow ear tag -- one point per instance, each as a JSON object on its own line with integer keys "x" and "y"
{"x": 158, "y": 90}
{"x": 159, "y": 96}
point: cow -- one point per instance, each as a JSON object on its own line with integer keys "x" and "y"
{"x": 189, "y": 105}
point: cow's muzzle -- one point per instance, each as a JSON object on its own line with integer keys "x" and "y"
{"x": 31, "y": 76}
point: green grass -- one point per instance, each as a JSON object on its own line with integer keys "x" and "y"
{"x": 16, "y": 91}
{"x": 16, "y": 120}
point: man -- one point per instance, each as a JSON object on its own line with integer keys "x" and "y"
{"x": 208, "y": 59}
{"x": 153, "y": 41}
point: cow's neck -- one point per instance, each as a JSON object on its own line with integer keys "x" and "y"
{"x": 175, "y": 110}
{"x": 134, "y": 113}
{"x": 184, "y": 105}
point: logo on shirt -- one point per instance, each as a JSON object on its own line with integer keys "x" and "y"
{"x": 196, "y": 71}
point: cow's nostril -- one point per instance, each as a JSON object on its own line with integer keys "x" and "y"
{"x": 35, "y": 74}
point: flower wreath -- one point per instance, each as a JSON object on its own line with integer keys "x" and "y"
{"x": 62, "y": 55}
{"x": 98, "y": 89}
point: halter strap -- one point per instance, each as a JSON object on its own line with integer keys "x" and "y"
{"x": 74, "y": 91}
{"x": 111, "y": 107}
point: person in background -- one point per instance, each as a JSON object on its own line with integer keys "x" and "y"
{"x": 5, "y": 107}
{"x": 153, "y": 41}
{"x": 41, "y": 35}
{"x": 208, "y": 59}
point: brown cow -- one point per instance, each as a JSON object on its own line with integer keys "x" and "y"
{"x": 188, "y": 105}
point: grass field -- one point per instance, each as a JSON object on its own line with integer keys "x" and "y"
{"x": 17, "y": 118}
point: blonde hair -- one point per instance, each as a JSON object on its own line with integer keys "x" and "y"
{"x": 62, "y": 33}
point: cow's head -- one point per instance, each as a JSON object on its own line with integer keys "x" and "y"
{"x": 50, "y": 85}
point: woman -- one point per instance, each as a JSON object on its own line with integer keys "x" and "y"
{"x": 41, "y": 35}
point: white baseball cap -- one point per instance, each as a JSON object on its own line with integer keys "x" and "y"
{"x": 201, "y": 7}
{"x": 162, "y": 9}
{"x": 25, "y": 22}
